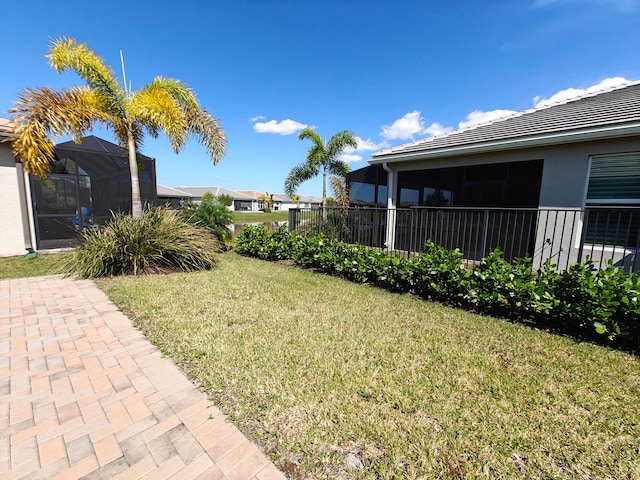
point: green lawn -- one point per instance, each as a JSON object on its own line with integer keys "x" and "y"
{"x": 17, "y": 267}
{"x": 325, "y": 373}
{"x": 253, "y": 217}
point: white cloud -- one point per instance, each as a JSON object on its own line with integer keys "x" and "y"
{"x": 256, "y": 118}
{"x": 350, "y": 158}
{"x": 284, "y": 127}
{"x": 403, "y": 128}
{"x": 569, "y": 93}
{"x": 478, "y": 116}
{"x": 364, "y": 145}
{"x": 436, "y": 129}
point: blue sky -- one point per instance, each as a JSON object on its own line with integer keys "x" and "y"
{"x": 391, "y": 72}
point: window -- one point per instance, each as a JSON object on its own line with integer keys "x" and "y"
{"x": 613, "y": 201}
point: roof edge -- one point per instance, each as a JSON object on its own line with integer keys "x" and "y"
{"x": 513, "y": 144}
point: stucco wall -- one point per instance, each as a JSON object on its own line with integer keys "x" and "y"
{"x": 12, "y": 241}
{"x": 565, "y": 171}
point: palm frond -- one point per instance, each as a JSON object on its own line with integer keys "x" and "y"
{"x": 317, "y": 154}
{"x": 339, "y": 142}
{"x": 207, "y": 131}
{"x": 180, "y": 91}
{"x": 157, "y": 110}
{"x": 43, "y": 114}
{"x": 298, "y": 175}
{"x": 338, "y": 167}
{"x": 340, "y": 191}
{"x": 66, "y": 53}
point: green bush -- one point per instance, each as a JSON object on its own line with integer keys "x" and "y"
{"x": 582, "y": 299}
{"x": 212, "y": 213}
{"x": 161, "y": 241}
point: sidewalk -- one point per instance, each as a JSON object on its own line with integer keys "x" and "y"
{"x": 83, "y": 394}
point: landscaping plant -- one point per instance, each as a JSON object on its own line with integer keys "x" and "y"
{"x": 161, "y": 241}
{"x": 212, "y": 213}
{"x": 582, "y": 300}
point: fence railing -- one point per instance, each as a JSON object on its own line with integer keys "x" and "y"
{"x": 562, "y": 236}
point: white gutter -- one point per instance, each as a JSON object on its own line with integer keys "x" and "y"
{"x": 511, "y": 144}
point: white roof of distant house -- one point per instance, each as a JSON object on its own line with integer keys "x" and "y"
{"x": 6, "y": 127}
{"x": 164, "y": 191}
{"x": 605, "y": 114}
{"x": 303, "y": 198}
{"x": 252, "y": 193}
{"x": 198, "y": 192}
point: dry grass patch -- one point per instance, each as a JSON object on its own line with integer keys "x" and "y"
{"x": 336, "y": 379}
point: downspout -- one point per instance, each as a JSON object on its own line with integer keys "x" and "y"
{"x": 391, "y": 208}
{"x": 26, "y": 207}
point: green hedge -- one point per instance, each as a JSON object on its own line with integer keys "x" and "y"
{"x": 601, "y": 303}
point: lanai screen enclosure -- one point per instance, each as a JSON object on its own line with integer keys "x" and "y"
{"x": 86, "y": 184}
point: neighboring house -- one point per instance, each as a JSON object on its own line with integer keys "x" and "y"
{"x": 259, "y": 197}
{"x": 87, "y": 182}
{"x": 241, "y": 202}
{"x": 577, "y": 155}
{"x": 305, "y": 201}
{"x": 170, "y": 197}
{"x": 17, "y": 232}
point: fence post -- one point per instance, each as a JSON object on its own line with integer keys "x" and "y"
{"x": 485, "y": 232}
{"x": 291, "y": 222}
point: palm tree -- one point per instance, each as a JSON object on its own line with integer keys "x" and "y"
{"x": 164, "y": 104}
{"x": 320, "y": 157}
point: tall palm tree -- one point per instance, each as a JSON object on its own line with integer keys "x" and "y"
{"x": 165, "y": 104}
{"x": 320, "y": 157}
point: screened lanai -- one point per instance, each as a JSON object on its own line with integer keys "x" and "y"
{"x": 86, "y": 184}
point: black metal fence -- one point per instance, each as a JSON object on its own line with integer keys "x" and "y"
{"x": 562, "y": 236}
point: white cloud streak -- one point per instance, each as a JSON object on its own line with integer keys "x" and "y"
{"x": 350, "y": 158}
{"x": 569, "y": 93}
{"x": 403, "y": 128}
{"x": 478, "y": 116}
{"x": 283, "y": 127}
{"x": 257, "y": 117}
{"x": 436, "y": 129}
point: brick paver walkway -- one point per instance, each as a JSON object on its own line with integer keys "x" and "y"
{"x": 84, "y": 395}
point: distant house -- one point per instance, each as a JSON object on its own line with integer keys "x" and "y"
{"x": 259, "y": 198}
{"x": 305, "y": 201}
{"x": 241, "y": 202}
{"x": 170, "y": 197}
{"x": 580, "y": 154}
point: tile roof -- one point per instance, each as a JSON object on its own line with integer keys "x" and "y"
{"x": 606, "y": 114}
{"x": 170, "y": 192}
{"x": 303, "y": 198}
{"x": 252, "y": 193}
{"x": 196, "y": 192}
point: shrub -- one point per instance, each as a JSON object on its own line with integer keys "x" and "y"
{"x": 162, "y": 240}
{"x": 212, "y": 213}
{"x": 581, "y": 299}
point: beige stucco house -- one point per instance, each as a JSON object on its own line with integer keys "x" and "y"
{"x": 15, "y": 216}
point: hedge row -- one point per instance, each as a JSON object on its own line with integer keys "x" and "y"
{"x": 592, "y": 302}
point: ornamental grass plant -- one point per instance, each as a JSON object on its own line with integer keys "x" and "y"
{"x": 162, "y": 241}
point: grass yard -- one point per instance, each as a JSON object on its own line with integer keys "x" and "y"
{"x": 18, "y": 267}
{"x": 339, "y": 380}
{"x": 254, "y": 217}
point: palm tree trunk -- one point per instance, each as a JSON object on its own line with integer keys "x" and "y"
{"x": 136, "y": 201}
